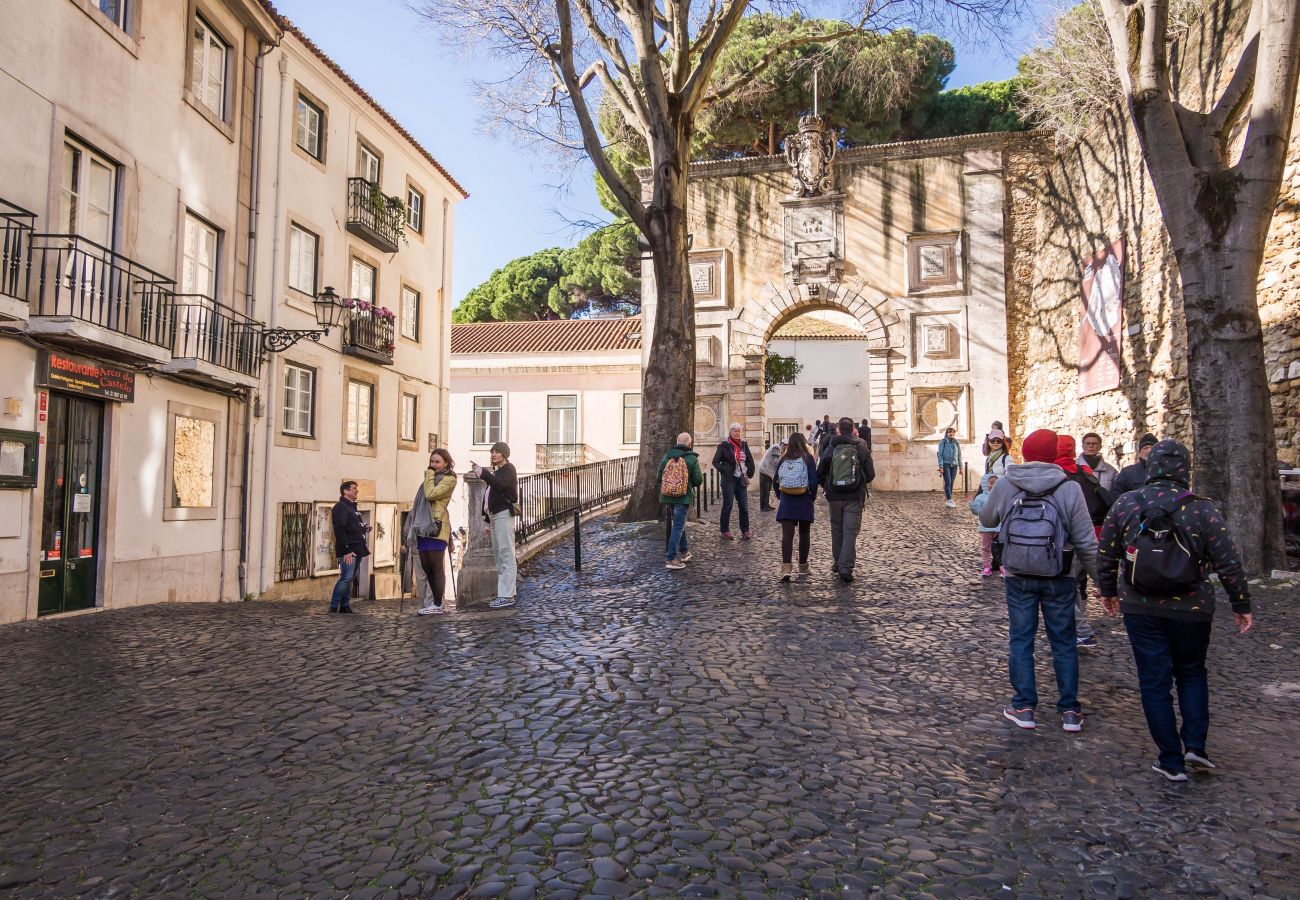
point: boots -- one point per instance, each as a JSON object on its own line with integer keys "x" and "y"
{"x": 804, "y": 571}
{"x": 786, "y": 569}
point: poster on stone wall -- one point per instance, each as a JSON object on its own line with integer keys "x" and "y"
{"x": 1101, "y": 322}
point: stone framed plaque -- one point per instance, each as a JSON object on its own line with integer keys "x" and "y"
{"x": 935, "y": 263}
{"x": 814, "y": 239}
{"x": 709, "y": 279}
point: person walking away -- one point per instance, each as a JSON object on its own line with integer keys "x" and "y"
{"x": 987, "y": 533}
{"x": 766, "y": 469}
{"x": 735, "y": 465}
{"x": 949, "y": 453}
{"x": 429, "y": 527}
{"x": 1092, "y": 458}
{"x": 998, "y": 457}
{"x": 864, "y": 432}
{"x": 679, "y": 476}
{"x": 1156, "y": 547}
{"x": 350, "y": 548}
{"x": 499, "y": 501}
{"x": 796, "y": 485}
{"x": 1099, "y": 500}
{"x": 1134, "y": 475}
{"x": 844, "y": 471}
{"x": 1043, "y": 524}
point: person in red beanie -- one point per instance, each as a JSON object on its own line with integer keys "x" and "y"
{"x": 1043, "y": 525}
{"x": 1099, "y": 500}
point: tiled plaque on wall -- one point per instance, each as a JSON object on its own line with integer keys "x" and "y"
{"x": 710, "y": 278}
{"x": 936, "y": 409}
{"x": 934, "y": 263}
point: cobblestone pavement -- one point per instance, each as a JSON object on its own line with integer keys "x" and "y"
{"x": 633, "y": 731}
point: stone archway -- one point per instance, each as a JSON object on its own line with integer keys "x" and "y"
{"x": 777, "y": 305}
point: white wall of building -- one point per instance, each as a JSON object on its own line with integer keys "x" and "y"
{"x": 838, "y": 366}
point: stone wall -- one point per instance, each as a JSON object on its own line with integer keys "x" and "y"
{"x": 1073, "y": 201}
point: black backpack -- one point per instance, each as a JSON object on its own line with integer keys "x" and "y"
{"x": 1161, "y": 560}
{"x": 1098, "y": 499}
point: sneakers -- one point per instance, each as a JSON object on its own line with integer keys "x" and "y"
{"x": 501, "y": 603}
{"x": 747, "y": 535}
{"x": 986, "y": 571}
{"x": 1072, "y": 720}
{"x": 1090, "y": 642}
{"x": 1197, "y": 760}
{"x": 431, "y": 610}
{"x": 686, "y": 556}
{"x": 1022, "y": 717}
{"x": 674, "y": 564}
{"x": 951, "y": 504}
{"x": 728, "y": 536}
{"x": 1169, "y": 773}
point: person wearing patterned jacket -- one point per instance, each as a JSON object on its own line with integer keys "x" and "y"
{"x": 1171, "y": 635}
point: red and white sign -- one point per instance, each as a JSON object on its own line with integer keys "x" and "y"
{"x": 1101, "y": 321}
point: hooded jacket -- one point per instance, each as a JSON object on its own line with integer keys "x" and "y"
{"x": 1198, "y": 518}
{"x": 1040, "y": 478}
{"x": 977, "y": 504}
{"x": 692, "y": 466}
{"x": 767, "y": 465}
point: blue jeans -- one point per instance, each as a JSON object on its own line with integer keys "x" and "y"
{"x": 343, "y": 587}
{"x": 949, "y": 476}
{"x": 1169, "y": 651}
{"x": 677, "y": 537}
{"x": 734, "y": 492}
{"x": 1055, "y": 596}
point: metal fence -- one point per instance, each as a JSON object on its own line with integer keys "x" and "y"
{"x": 549, "y": 499}
{"x": 15, "y": 235}
{"x": 215, "y": 333}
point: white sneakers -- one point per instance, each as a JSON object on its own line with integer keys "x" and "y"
{"x": 431, "y": 610}
{"x": 951, "y": 504}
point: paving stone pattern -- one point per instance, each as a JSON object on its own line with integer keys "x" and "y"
{"x": 632, "y": 731}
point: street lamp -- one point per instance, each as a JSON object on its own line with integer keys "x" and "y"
{"x": 329, "y": 313}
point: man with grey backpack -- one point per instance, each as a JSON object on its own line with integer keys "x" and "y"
{"x": 1043, "y": 523}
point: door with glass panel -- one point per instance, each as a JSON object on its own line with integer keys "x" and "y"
{"x": 70, "y": 549}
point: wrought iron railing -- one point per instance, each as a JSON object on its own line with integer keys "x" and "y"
{"x": 369, "y": 333}
{"x": 295, "y": 541}
{"x": 549, "y": 499}
{"x": 79, "y": 278}
{"x": 374, "y": 215}
{"x": 16, "y": 226}
{"x": 215, "y": 333}
{"x": 560, "y": 456}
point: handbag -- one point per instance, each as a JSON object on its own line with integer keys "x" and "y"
{"x": 422, "y": 523}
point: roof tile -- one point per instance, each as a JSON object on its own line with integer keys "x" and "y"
{"x": 552, "y": 336}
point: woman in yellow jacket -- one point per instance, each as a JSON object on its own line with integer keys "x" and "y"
{"x": 439, "y": 482}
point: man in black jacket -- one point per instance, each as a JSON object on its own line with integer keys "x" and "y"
{"x": 845, "y": 485}
{"x": 498, "y": 511}
{"x": 735, "y": 464}
{"x": 1132, "y": 477}
{"x": 349, "y": 545}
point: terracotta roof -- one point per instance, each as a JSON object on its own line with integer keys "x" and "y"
{"x": 347, "y": 79}
{"x": 557, "y": 336}
{"x": 806, "y": 328}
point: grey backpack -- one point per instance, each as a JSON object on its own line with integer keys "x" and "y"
{"x": 1033, "y": 536}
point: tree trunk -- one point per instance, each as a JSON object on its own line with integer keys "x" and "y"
{"x": 1234, "y": 450}
{"x": 668, "y": 383}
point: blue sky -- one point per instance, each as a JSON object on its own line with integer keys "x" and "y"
{"x": 516, "y": 205}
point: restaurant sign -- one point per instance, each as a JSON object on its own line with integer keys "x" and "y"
{"x": 83, "y": 376}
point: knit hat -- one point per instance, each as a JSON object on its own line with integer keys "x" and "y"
{"x": 1040, "y": 446}
{"x": 1147, "y": 440}
{"x": 501, "y": 447}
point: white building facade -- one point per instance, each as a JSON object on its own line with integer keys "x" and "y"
{"x": 833, "y": 358}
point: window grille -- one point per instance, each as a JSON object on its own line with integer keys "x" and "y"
{"x": 295, "y": 541}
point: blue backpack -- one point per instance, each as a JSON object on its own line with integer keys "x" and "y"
{"x": 792, "y": 476}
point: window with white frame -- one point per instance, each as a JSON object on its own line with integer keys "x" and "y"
{"x": 199, "y": 258}
{"x": 361, "y": 402}
{"x": 208, "y": 54}
{"x": 304, "y": 250}
{"x": 87, "y": 194}
{"x": 363, "y": 281}
{"x": 299, "y": 400}
{"x": 562, "y": 419}
{"x": 410, "y": 324}
{"x": 115, "y": 11}
{"x": 415, "y": 209}
{"x": 488, "y": 420}
{"x": 308, "y": 127}
{"x": 367, "y": 163}
{"x": 410, "y": 403}
{"x": 631, "y": 418}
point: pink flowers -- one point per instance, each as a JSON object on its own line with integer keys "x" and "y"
{"x": 363, "y": 307}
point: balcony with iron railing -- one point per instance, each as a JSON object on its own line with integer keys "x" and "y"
{"x": 368, "y": 332}
{"x": 84, "y": 294}
{"x": 374, "y": 216}
{"x": 560, "y": 456}
{"x": 215, "y": 343}
{"x": 16, "y": 227}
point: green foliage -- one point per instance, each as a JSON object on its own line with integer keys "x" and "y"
{"x": 555, "y": 283}
{"x": 778, "y": 369}
{"x": 978, "y": 108}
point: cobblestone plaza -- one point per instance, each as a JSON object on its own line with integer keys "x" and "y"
{"x": 629, "y": 731}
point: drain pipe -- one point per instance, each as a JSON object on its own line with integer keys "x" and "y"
{"x": 250, "y": 288}
{"x": 277, "y": 242}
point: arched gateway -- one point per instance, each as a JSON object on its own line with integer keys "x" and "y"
{"x": 908, "y": 239}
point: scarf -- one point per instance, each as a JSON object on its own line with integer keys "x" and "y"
{"x": 738, "y": 449}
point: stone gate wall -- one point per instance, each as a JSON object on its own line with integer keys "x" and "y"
{"x": 1067, "y": 203}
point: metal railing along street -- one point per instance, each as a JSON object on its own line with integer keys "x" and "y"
{"x": 16, "y": 227}
{"x": 79, "y": 278}
{"x": 548, "y": 500}
{"x": 213, "y": 332}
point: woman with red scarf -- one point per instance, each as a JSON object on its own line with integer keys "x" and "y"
{"x": 735, "y": 464}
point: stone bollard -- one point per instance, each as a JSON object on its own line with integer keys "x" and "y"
{"x": 477, "y": 583}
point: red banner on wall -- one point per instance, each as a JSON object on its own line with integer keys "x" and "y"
{"x": 1101, "y": 321}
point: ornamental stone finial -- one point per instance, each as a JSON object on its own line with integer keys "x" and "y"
{"x": 810, "y": 153}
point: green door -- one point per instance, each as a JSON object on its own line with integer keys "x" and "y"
{"x": 69, "y": 522}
